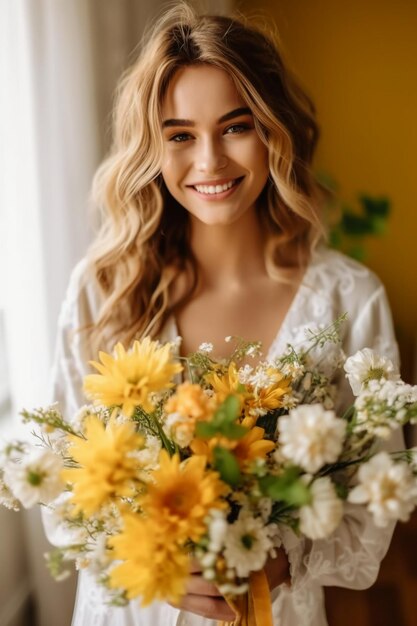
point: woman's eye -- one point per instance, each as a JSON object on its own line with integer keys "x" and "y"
{"x": 236, "y": 129}
{"x": 180, "y": 137}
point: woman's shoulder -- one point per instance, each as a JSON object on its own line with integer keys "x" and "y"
{"x": 332, "y": 270}
{"x": 83, "y": 297}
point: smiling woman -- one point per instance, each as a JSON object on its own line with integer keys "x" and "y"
{"x": 211, "y": 225}
{"x": 214, "y": 162}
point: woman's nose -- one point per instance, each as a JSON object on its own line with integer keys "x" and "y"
{"x": 210, "y": 157}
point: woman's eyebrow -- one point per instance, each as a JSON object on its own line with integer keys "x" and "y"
{"x": 224, "y": 118}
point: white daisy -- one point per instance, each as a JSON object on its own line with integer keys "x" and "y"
{"x": 389, "y": 489}
{"x": 365, "y": 366}
{"x": 310, "y": 436}
{"x": 247, "y": 544}
{"x": 323, "y": 514}
{"x": 36, "y": 479}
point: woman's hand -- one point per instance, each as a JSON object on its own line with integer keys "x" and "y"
{"x": 203, "y": 598}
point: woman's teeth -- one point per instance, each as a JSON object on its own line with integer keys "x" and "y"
{"x": 212, "y": 189}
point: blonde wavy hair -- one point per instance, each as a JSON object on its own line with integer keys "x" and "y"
{"x": 143, "y": 244}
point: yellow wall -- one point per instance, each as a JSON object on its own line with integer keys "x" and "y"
{"x": 358, "y": 60}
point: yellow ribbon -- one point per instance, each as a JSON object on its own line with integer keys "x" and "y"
{"x": 253, "y": 608}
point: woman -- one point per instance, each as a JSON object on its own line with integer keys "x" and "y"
{"x": 211, "y": 228}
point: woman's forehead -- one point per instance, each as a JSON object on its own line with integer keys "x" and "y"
{"x": 200, "y": 91}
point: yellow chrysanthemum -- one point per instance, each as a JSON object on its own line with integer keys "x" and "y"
{"x": 248, "y": 448}
{"x": 128, "y": 378}
{"x": 153, "y": 567}
{"x": 181, "y": 495}
{"x": 227, "y": 384}
{"x": 270, "y": 397}
{"x": 107, "y": 468}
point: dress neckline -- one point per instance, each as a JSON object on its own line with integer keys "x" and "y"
{"x": 172, "y": 328}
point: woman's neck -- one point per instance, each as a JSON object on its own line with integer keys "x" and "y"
{"x": 229, "y": 256}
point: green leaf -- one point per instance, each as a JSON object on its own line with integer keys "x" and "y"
{"x": 223, "y": 422}
{"x": 375, "y": 207}
{"x": 206, "y": 430}
{"x": 229, "y": 409}
{"x": 227, "y": 466}
{"x": 356, "y": 225}
{"x": 286, "y": 488}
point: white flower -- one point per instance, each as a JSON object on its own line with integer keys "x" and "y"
{"x": 228, "y": 339}
{"x": 244, "y": 374}
{"x": 206, "y": 347}
{"x": 365, "y": 366}
{"x": 324, "y": 513}
{"x": 388, "y": 487}
{"x": 261, "y": 379}
{"x": 149, "y": 455}
{"x": 98, "y": 555}
{"x": 179, "y": 428}
{"x": 310, "y": 436}
{"x": 217, "y": 531}
{"x": 247, "y": 544}
{"x": 36, "y": 479}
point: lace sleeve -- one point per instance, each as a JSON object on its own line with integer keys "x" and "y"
{"x": 68, "y": 370}
{"x": 351, "y": 556}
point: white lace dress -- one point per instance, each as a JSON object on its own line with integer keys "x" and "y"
{"x": 333, "y": 284}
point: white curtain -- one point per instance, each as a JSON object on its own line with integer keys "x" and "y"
{"x": 59, "y": 63}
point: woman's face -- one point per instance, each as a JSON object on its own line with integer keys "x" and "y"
{"x": 214, "y": 162}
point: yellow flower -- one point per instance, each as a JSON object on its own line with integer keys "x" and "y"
{"x": 108, "y": 469}
{"x": 191, "y": 401}
{"x": 227, "y": 384}
{"x": 249, "y": 447}
{"x": 252, "y": 446}
{"x": 181, "y": 495}
{"x": 188, "y": 405}
{"x": 153, "y": 567}
{"x": 269, "y": 398}
{"x": 128, "y": 378}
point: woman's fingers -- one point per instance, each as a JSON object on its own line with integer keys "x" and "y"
{"x": 197, "y": 585}
{"x": 208, "y": 606}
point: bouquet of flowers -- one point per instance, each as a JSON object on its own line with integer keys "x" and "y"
{"x": 190, "y": 459}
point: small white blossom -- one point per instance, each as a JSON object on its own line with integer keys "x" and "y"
{"x": 244, "y": 374}
{"x": 228, "y": 339}
{"x": 206, "y": 347}
{"x": 148, "y": 457}
{"x": 383, "y": 406}
{"x": 387, "y": 487}
{"x": 7, "y": 499}
{"x": 36, "y": 479}
{"x": 98, "y": 555}
{"x": 247, "y": 545}
{"x": 217, "y": 530}
{"x": 209, "y": 574}
{"x": 310, "y": 436}
{"x": 323, "y": 514}
{"x": 177, "y": 427}
{"x": 261, "y": 379}
{"x": 365, "y": 366}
